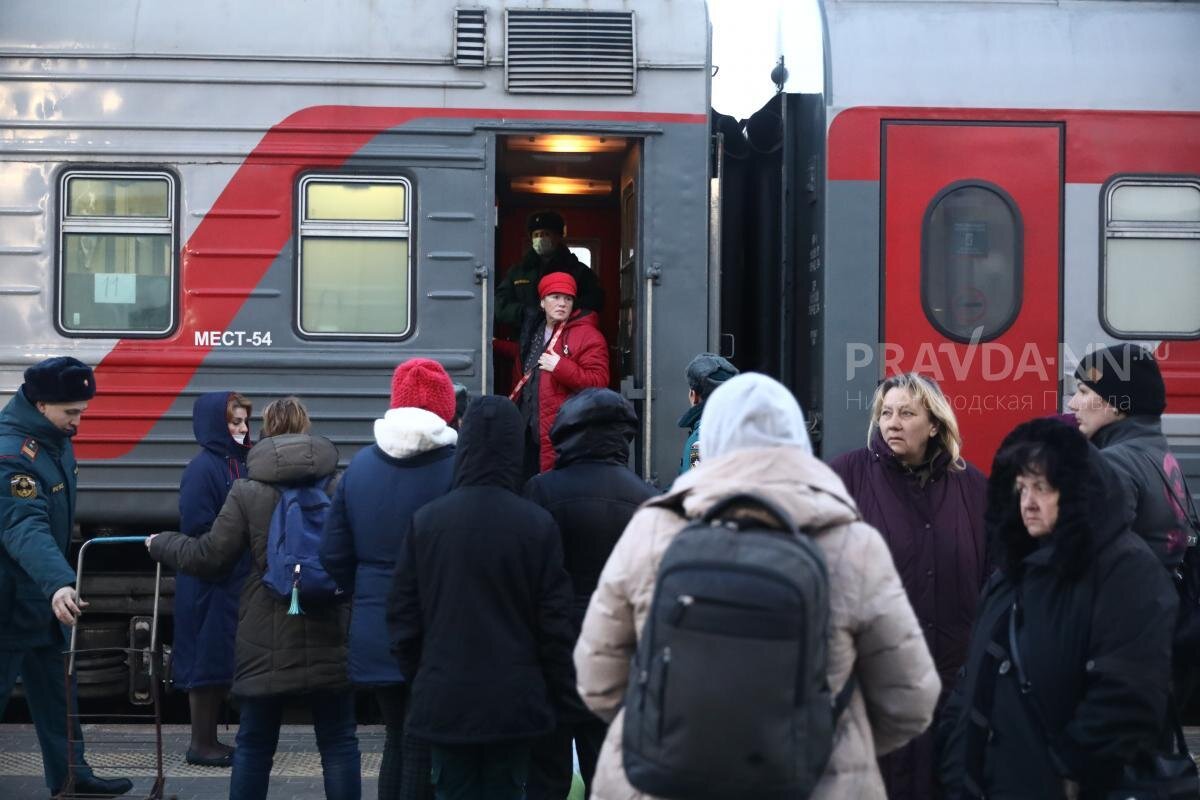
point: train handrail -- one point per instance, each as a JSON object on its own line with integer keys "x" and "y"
{"x": 485, "y": 318}
{"x": 653, "y": 276}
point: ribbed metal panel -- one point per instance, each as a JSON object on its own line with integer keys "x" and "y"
{"x": 470, "y": 37}
{"x": 570, "y": 52}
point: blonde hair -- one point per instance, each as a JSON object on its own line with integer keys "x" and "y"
{"x": 926, "y": 391}
{"x": 286, "y": 415}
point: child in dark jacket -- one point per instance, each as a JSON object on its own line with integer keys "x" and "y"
{"x": 479, "y": 616}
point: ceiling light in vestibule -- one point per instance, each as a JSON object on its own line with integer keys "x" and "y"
{"x": 552, "y": 184}
{"x": 566, "y": 143}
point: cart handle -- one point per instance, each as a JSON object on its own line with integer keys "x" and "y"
{"x": 79, "y": 592}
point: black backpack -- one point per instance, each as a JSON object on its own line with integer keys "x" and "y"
{"x": 728, "y": 696}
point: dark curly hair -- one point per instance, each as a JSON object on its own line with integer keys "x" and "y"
{"x": 1059, "y": 453}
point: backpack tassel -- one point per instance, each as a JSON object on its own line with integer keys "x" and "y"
{"x": 294, "y": 609}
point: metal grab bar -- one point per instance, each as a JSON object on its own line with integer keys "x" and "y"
{"x": 653, "y": 276}
{"x": 485, "y": 348}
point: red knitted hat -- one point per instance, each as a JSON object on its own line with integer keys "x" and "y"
{"x": 556, "y": 283}
{"x": 423, "y": 383}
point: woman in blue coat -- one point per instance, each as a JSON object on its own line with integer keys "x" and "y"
{"x": 206, "y": 612}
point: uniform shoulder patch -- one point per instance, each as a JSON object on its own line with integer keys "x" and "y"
{"x": 521, "y": 281}
{"x": 23, "y": 487}
{"x": 29, "y": 449}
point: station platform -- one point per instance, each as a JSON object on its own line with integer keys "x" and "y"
{"x": 127, "y": 751}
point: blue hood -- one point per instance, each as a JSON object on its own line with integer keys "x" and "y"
{"x": 211, "y": 429}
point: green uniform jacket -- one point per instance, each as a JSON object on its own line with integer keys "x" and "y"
{"x": 518, "y": 290}
{"x": 37, "y": 505}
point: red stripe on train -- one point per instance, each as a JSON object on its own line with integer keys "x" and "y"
{"x": 1099, "y": 144}
{"x": 231, "y": 250}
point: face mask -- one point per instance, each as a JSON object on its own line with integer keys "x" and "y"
{"x": 543, "y": 246}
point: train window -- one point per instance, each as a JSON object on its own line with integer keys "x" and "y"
{"x": 971, "y": 261}
{"x": 116, "y": 253}
{"x": 354, "y": 256}
{"x": 1151, "y": 271}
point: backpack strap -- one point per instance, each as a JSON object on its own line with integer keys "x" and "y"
{"x": 842, "y": 699}
{"x": 1189, "y": 508}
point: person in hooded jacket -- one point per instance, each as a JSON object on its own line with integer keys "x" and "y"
{"x": 1091, "y": 611}
{"x": 754, "y": 439}
{"x": 592, "y": 494}
{"x": 410, "y": 464}
{"x": 206, "y": 611}
{"x": 562, "y": 354}
{"x": 479, "y": 616}
{"x": 281, "y": 659}
{"x": 911, "y": 484}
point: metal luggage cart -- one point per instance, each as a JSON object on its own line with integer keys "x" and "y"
{"x": 148, "y": 657}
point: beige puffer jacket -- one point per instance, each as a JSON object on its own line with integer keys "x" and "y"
{"x": 872, "y": 626}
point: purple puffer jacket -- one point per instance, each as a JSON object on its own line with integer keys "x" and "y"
{"x": 936, "y": 535}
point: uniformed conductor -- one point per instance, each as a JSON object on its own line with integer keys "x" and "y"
{"x": 37, "y": 585}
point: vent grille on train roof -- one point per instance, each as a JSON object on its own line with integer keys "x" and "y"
{"x": 470, "y": 37}
{"x": 570, "y": 52}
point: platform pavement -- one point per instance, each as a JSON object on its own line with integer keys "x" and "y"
{"x": 129, "y": 751}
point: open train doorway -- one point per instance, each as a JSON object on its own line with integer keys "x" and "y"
{"x": 593, "y": 182}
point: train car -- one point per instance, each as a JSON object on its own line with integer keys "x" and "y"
{"x": 281, "y": 198}
{"x": 1011, "y": 185}
{"x": 984, "y": 192}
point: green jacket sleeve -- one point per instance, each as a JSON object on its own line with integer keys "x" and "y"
{"x": 26, "y": 536}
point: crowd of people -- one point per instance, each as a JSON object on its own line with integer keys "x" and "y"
{"x": 497, "y": 573}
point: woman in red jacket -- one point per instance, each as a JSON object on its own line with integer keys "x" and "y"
{"x": 562, "y": 353}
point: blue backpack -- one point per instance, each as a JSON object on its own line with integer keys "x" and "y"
{"x": 293, "y": 566}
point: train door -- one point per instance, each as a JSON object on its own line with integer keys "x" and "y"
{"x": 588, "y": 180}
{"x": 972, "y": 278}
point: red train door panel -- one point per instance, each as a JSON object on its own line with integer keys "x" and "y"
{"x": 971, "y": 269}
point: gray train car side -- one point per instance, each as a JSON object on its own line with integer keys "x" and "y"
{"x": 291, "y": 199}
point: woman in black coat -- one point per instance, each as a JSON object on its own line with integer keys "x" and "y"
{"x": 1090, "y": 612}
{"x": 478, "y": 615}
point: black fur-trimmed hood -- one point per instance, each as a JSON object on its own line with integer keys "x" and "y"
{"x": 1091, "y": 507}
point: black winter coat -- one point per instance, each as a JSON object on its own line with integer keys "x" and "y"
{"x": 591, "y": 492}
{"x": 478, "y": 611}
{"x": 1094, "y": 635}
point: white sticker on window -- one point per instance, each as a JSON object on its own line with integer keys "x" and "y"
{"x": 116, "y": 288}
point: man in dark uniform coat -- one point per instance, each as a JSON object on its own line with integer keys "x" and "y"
{"x": 37, "y": 585}
{"x": 517, "y": 295}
